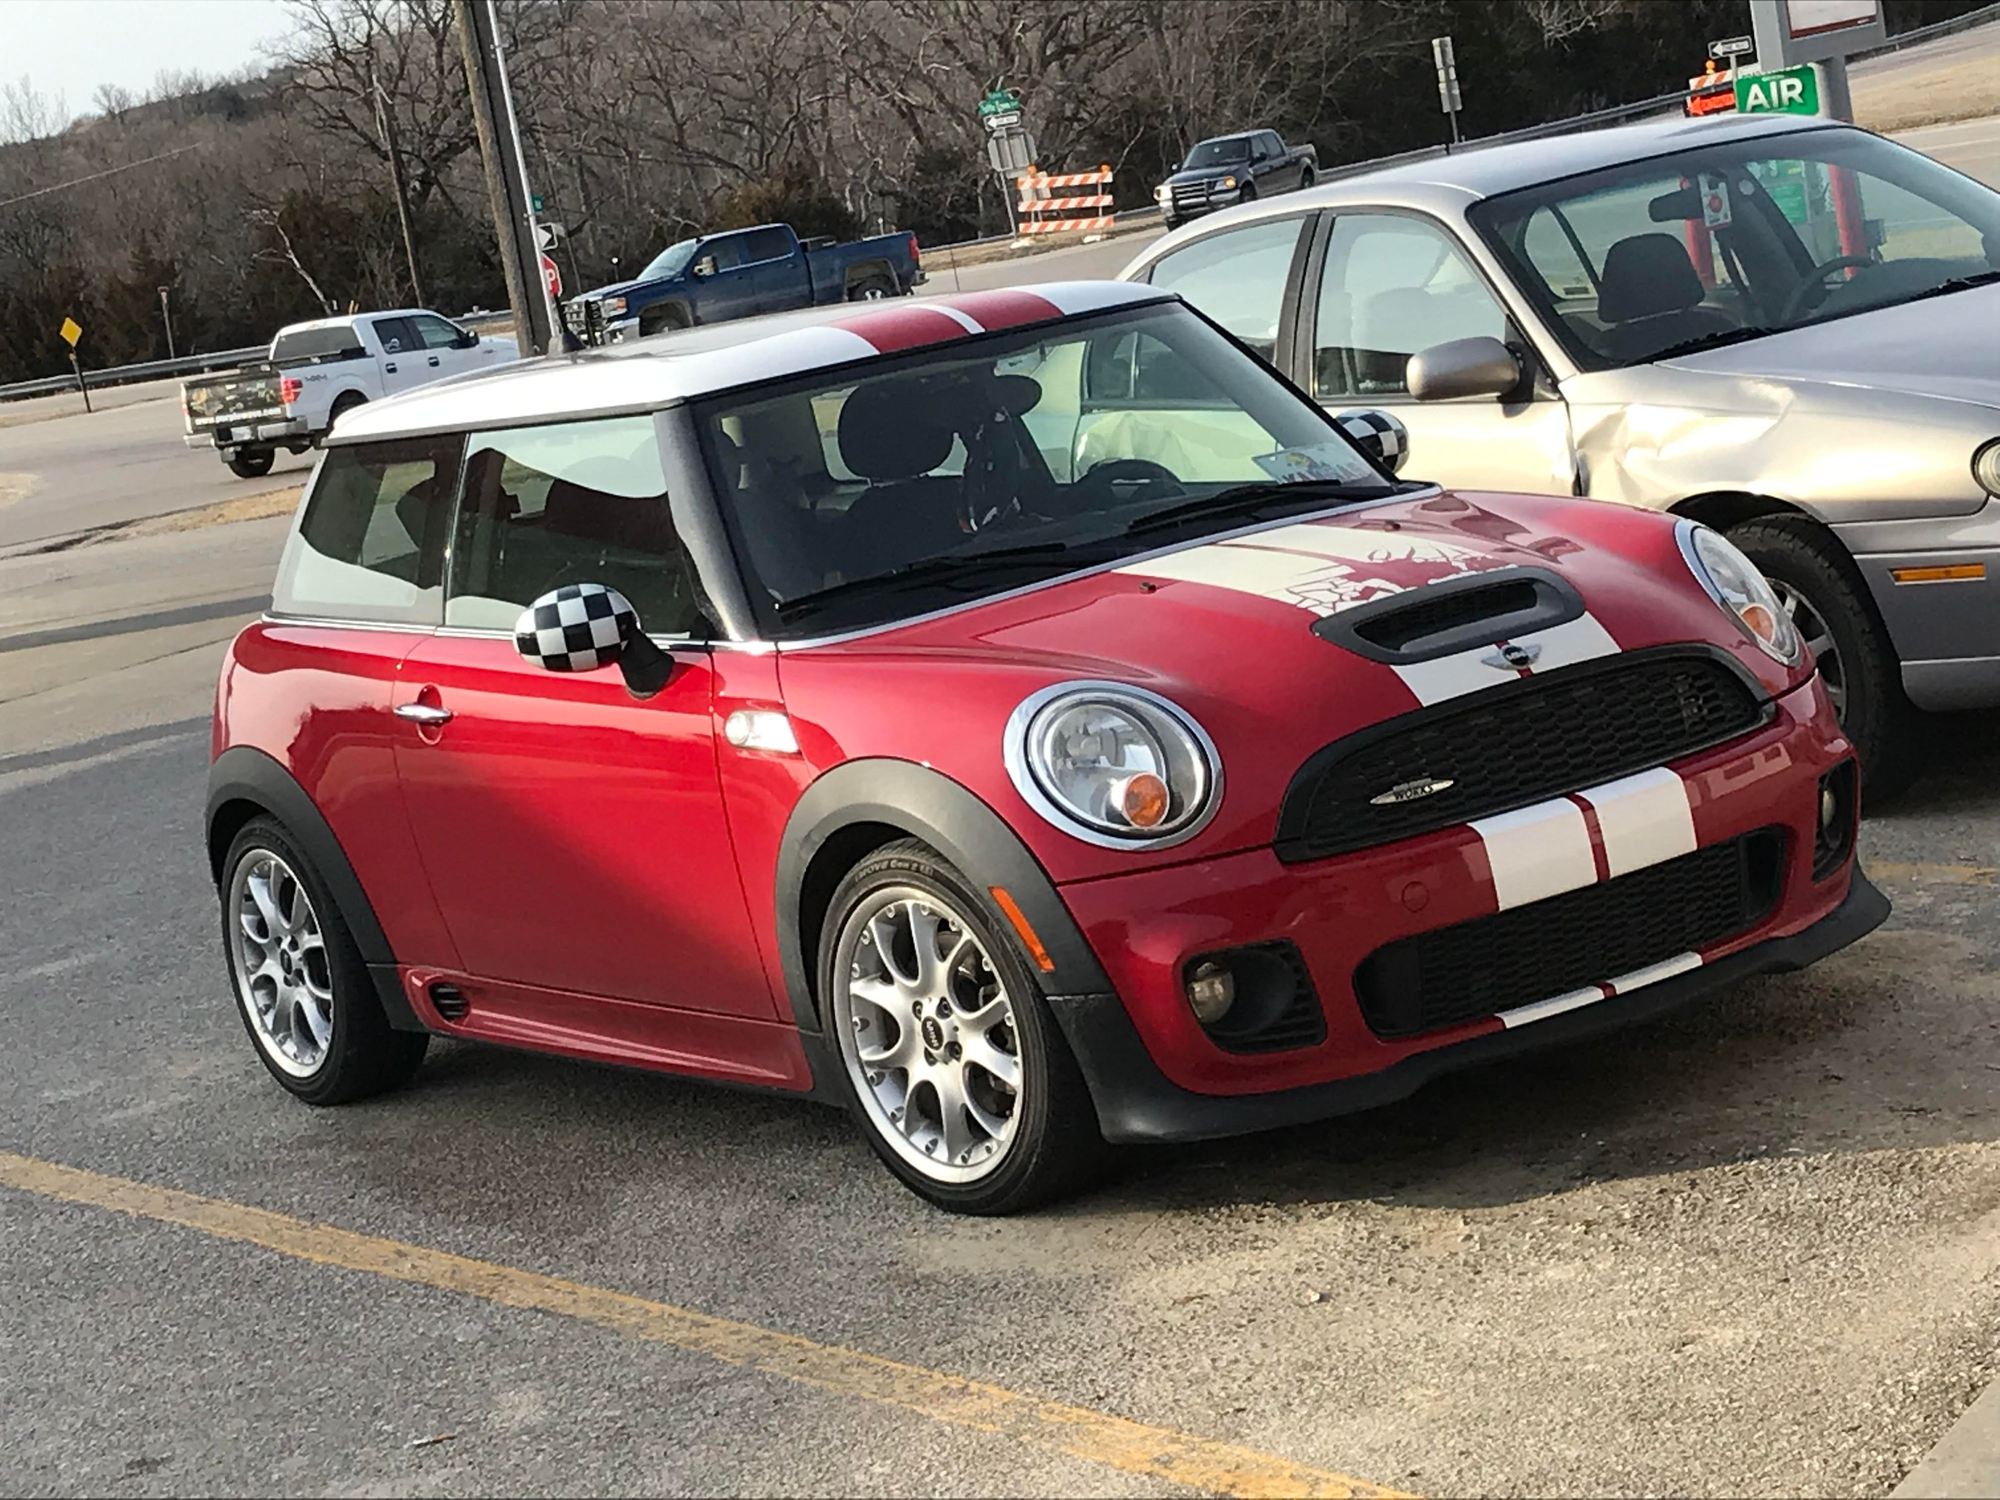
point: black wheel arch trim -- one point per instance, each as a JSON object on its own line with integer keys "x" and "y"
{"x": 927, "y": 805}
{"x": 244, "y": 774}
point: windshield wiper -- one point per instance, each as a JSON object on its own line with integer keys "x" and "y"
{"x": 1247, "y": 499}
{"x": 1714, "y": 340}
{"x": 941, "y": 569}
{"x": 1956, "y": 284}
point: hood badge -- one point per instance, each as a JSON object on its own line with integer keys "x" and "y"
{"x": 1510, "y": 657}
{"x": 1413, "y": 790}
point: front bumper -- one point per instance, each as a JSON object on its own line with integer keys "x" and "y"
{"x": 1947, "y": 632}
{"x": 1149, "y": 927}
{"x": 1187, "y": 204}
{"x": 1137, "y": 1103}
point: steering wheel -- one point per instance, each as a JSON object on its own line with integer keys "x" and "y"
{"x": 1133, "y": 471}
{"x": 1796, "y": 303}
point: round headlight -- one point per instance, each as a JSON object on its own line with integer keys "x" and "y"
{"x": 1986, "y": 467}
{"x": 1734, "y": 582}
{"x": 1113, "y": 765}
{"x": 1227, "y": 183}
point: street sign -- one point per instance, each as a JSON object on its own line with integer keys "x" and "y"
{"x": 1792, "y": 92}
{"x": 71, "y": 331}
{"x": 551, "y": 277}
{"x": 1731, "y": 46}
{"x": 548, "y": 235}
{"x": 1010, "y": 152}
{"x": 1011, "y": 120}
{"x": 535, "y": 203}
{"x": 1000, "y": 101}
{"x": 1447, "y": 71}
{"x": 1791, "y": 32}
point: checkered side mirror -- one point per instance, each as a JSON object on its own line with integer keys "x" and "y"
{"x": 576, "y": 628}
{"x": 1377, "y": 433}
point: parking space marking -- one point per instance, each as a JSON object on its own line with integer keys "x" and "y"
{"x": 1928, "y": 874}
{"x": 1161, "y": 1453}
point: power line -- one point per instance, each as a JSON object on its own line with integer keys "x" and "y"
{"x": 107, "y": 172}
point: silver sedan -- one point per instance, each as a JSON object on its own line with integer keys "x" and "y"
{"x": 1787, "y": 328}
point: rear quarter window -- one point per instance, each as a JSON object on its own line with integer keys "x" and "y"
{"x": 340, "y": 342}
{"x": 370, "y": 545}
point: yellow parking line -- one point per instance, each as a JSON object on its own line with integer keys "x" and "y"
{"x": 1155, "y": 1452}
{"x": 1924, "y": 874}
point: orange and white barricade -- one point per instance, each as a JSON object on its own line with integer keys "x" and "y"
{"x": 1050, "y": 203}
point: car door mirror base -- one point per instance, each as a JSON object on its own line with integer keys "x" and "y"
{"x": 1481, "y": 366}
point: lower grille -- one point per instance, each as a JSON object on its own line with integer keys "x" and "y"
{"x": 1513, "y": 745}
{"x": 1549, "y": 948}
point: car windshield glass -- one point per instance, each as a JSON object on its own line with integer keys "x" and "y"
{"x": 669, "y": 262}
{"x": 1053, "y": 446}
{"x": 1219, "y": 153}
{"x": 1740, "y": 239}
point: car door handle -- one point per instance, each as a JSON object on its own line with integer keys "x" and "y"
{"x": 388, "y": 369}
{"x": 433, "y": 360}
{"x": 423, "y": 713}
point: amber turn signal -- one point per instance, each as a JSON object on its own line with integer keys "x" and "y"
{"x": 1143, "y": 800}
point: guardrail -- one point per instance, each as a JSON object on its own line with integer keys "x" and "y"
{"x": 155, "y": 369}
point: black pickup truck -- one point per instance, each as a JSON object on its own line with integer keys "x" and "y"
{"x": 1230, "y": 169}
{"x": 742, "y": 272}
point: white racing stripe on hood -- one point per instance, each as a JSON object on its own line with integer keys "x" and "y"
{"x": 1321, "y": 584}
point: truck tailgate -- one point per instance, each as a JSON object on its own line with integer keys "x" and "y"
{"x": 236, "y": 395}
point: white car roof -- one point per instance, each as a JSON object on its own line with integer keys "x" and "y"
{"x": 680, "y": 366}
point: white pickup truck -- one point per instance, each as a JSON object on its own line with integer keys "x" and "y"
{"x": 317, "y": 370}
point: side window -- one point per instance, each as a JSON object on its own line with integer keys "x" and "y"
{"x": 1138, "y": 369}
{"x": 397, "y": 335}
{"x": 576, "y": 502}
{"x": 435, "y": 333}
{"x": 371, "y": 543}
{"x": 725, "y": 250}
{"x": 1237, "y": 278}
{"x": 1269, "y": 144}
{"x": 765, "y": 244}
{"x": 1392, "y": 286}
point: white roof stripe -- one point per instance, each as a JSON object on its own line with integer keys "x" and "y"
{"x": 964, "y": 320}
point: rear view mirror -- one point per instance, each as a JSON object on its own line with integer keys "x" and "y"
{"x": 1379, "y": 434}
{"x": 1481, "y": 366}
{"x": 583, "y": 626}
{"x": 1674, "y": 206}
{"x": 466, "y": 339}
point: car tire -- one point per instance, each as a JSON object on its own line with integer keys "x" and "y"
{"x": 1249, "y": 192}
{"x": 1020, "y": 1143}
{"x": 251, "y": 463}
{"x": 1306, "y": 179}
{"x": 1830, "y": 603}
{"x": 345, "y": 404}
{"x": 871, "y": 289}
{"x": 294, "y": 927}
{"x": 667, "y": 320}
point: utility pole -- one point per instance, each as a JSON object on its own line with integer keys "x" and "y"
{"x": 167, "y": 317}
{"x": 385, "y": 121}
{"x": 506, "y": 174}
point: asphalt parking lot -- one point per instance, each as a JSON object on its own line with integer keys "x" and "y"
{"x": 1751, "y": 1249}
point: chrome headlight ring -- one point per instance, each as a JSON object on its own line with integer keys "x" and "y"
{"x": 1740, "y": 590}
{"x": 1080, "y": 753}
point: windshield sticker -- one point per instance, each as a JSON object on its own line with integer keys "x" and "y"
{"x": 1322, "y": 461}
{"x": 1715, "y": 212}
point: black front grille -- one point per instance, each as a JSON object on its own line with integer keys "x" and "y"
{"x": 1553, "y": 947}
{"x": 1517, "y": 744}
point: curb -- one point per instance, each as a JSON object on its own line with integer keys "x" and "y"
{"x": 1966, "y": 1461}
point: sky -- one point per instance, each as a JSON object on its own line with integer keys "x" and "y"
{"x": 71, "y": 46}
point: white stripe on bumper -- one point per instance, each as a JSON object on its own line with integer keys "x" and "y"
{"x": 1638, "y": 979}
{"x": 1644, "y": 819}
{"x": 1537, "y": 852}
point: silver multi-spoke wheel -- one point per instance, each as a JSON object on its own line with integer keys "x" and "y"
{"x": 1818, "y": 636}
{"x": 928, "y": 1033}
{"x": 284, "y": 979}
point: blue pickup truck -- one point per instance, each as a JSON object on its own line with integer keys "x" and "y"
{"x": 742, "y": 272}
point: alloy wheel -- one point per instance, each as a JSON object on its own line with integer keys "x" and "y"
{"x": 1818, "y": 636}
{"x": 284, "y": 978}
{"x": 927, "y": 1031}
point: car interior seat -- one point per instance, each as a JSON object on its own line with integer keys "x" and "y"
{"x": 1650, "y": 298}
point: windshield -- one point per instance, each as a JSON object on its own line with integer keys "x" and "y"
{"x": 1219, "y": 153}
{"x": 972, "y": 466}
{"x": 669, "y": 262}
{"x": 1728, "y": 242}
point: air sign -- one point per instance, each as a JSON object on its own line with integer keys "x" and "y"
{"x": 1792, "y": 92}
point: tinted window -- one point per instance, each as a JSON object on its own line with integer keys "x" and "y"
{"x": 397, "y": 336}
{"x": 338, "y": 342}
{"x": 436, "y": 333}
{"x": 1237, "y": 278}
{"x": 765, "y": 244}
{"x": 1392, "y": 286}
{"x": 1219, "y": 152}
{"x": 371, "y": 543}
{"x": 578, "y": 502}
{"x": 727, "y": 252}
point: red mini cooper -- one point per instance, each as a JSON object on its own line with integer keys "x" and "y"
{"x": 1021, "y": 716}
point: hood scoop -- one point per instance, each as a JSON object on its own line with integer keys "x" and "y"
{"x": 1453, "y": 615}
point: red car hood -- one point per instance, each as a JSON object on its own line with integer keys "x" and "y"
{"x": 1224, "y": 627}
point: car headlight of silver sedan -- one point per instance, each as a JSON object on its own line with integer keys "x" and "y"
{"x": 1735, "y": 583}
{"x": 1986, "y": 467}
{"x": 1113, "y": 765}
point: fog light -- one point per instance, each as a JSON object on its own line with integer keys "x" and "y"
{"x": 1211, "y": 990}
{"x": 1829, "y": 807}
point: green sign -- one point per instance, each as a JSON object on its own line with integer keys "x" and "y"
{"x": 1000, "y": 102}
{"x": 1792, "y": 92}
{"x": 535, "y": 203}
